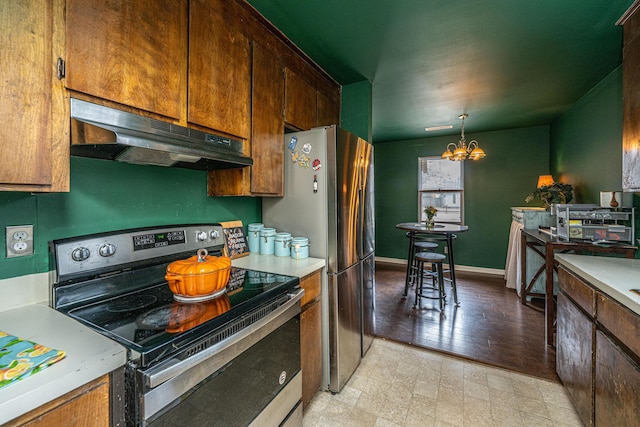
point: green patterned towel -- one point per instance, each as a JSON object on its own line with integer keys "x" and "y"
{"x": 21, "y": 358}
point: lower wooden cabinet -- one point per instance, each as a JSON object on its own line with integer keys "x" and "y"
{"x": 617, "y": 385}
{"x": 311, "y": 337}
{"x": 85, "y": 406}
{"x": 574, "y": 356}
{"x": 597, "y": 357}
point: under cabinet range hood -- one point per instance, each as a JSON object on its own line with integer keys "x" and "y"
{"x": 106, "y": 133}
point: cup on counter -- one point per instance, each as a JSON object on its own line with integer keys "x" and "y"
{"x": 267, "y": 241}
{"x": 283, "y": 244}
{"x": 253, "y": 236}
{"x": 299, "y": 247}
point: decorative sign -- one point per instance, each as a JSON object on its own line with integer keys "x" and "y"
{"x": 235, "y": 242}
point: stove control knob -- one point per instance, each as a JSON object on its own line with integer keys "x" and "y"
{"x": 201, "y": 236}
{"x": 80, "y": 254}
{"x": 107, "y": 250}
{"x": 214, "y": 234}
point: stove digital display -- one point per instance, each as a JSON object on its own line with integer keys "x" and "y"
{"x": 156, "y": 240}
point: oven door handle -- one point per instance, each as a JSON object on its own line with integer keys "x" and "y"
{"x": 219, "y": 354}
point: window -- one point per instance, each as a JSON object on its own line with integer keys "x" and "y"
{"x": 441, "y": 184}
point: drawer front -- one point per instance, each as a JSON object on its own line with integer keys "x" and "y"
{"x": 311, "y": 286}
{"x": 620, "y": 321}
{"x": 582, "y": 294}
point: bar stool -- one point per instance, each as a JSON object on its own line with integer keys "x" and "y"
{"x": 450, "y": 272}
{"x": 418, "y": 245}
{"x": 438, "y": 286}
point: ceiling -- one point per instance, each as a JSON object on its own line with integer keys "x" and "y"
{"x": 506, "y": 63}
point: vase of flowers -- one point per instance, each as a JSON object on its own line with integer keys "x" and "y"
{"x": 551, "y": 194}
{"x": 430, "y": 212}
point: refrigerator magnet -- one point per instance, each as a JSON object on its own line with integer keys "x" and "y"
{"x": 303, "y": 161}
{"x": 294, "y": 156}
{"x": 293, "y": 142}
{"x": 315, "y": 165}
{"x": 306, "y": 148}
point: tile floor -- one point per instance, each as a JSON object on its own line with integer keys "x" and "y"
{"x": 401, "y": 385}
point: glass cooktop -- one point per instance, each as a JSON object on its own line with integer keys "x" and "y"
{"x": 152, "y": 323}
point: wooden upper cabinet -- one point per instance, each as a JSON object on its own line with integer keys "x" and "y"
{"x": 267, "y": 135}
{"x": 130, "y": 52}
{"x": 219, "y": 70}
{"x": 34, "y": 138}
{"x": 328, "y": 109}
{"x": 300, "y": 102}
{"x": 631, "y": 102}
{"x": 266, "y": 176}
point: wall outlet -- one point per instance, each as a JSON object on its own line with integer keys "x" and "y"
{"x": 19, "y": 240}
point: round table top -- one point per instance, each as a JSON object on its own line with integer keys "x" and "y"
{"x": 439, "y": 227}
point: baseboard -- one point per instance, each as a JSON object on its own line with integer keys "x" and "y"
{"x": 493, "y": 272}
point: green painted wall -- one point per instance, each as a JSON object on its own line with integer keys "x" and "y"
{"x": 503, "y": 179}
{"x": 586, "y": 143}
{"x": 356, "y": 114}
{"x": 108, "y": 196}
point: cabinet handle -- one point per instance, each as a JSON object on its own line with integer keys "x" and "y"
{"x": 61, "y": 68}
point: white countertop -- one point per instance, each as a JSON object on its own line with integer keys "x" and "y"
{"x": 89, "y": 355}
{"x": 613, "y": 276}
{"x": 279, "y": 264}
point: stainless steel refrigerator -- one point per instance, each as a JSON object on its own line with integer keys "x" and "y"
{"x": 329, "y": 199}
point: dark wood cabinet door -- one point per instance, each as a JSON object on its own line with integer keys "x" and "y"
{"x": 219, "y": 70}
{"x": 617, "y": 385}
{"x": 130, "y": 52}
{"x": 328, "y": 109}
{"x": 311, "y": 351}
{"x": 574, "y": 356}
{"x": 300, "y": 102}
{"x": 25, "y": 91}
{"x": 34, "y": 138}
{"x": 267, "y": 134}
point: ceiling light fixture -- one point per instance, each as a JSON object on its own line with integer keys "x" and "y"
{"x": 463, "y": 150}
{"x": 442, "y": 127}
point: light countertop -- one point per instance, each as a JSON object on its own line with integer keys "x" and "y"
{"x": 613, "y": 276}
{"x": 279, "y": 264}
{"x": 89, "y": 355}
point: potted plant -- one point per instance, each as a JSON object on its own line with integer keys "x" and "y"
{"x": 551, "y": 194}
{"x": 430, "y": 211}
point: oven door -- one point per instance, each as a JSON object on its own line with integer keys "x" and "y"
{"x": 251, "y": 378}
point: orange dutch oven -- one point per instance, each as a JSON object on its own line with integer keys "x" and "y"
{"x": 199, "y": 275}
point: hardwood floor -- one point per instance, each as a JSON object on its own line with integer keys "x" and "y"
{"x": 489, "y": 326}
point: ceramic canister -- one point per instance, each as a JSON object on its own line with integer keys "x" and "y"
{"x": 267, "y": 241}
{"x": 253, "y": 236}
{"x": 299, "y": 247}
{"x": 283, "y": 244}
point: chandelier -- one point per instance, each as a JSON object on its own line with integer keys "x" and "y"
{"x": 463, "y": 150}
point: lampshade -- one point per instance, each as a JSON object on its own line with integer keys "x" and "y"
{"x": 545, "y": 180}
{"x": 463, "y": 150}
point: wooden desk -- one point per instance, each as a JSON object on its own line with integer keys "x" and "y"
{"x": 546, "y": 246}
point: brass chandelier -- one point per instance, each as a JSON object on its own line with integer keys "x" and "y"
{"x": 463, "y": 150}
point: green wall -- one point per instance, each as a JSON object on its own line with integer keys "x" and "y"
{"x": 356, "y": 114}
{"x": 109, "y": 196}
{"x": 503, "y": 179}
{"x": 586, "y": 143}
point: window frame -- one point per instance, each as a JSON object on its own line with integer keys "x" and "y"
{"x": 421, "y": 216}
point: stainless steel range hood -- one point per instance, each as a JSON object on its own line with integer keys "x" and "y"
{"x": 106, "y": 133}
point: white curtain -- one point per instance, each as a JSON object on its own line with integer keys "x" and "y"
{"x": 512, "y": 272}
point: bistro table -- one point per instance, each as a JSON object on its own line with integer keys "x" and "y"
{"x": 448, "y": 230}
{"x": 545, "y": 245}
